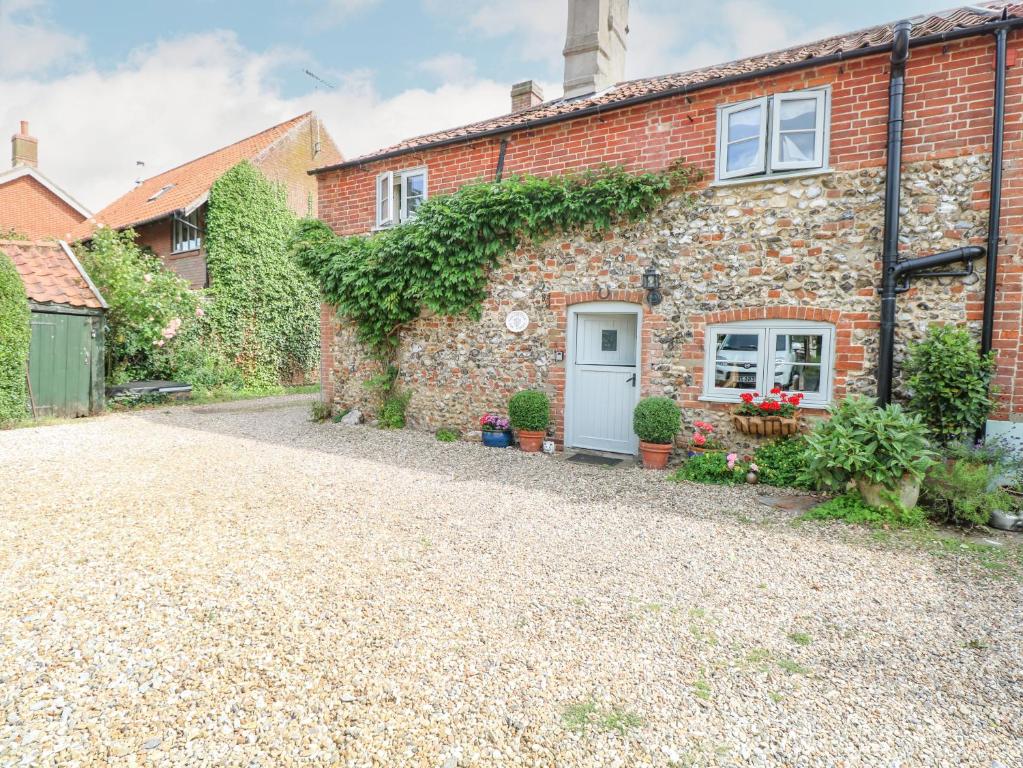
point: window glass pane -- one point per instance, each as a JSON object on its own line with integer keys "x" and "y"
{"x": 798, "y": 114}
{"x": 735, "y": 363}
{"x": 797, "y": 378}
{"x": 744, "y": 124}
{"x": 415, "y": 185}
{"x": 382, "y": 197}
{"x": 798, "y": 146}
{"x": 797, "y": 362}
{"x": 742, "y": 154}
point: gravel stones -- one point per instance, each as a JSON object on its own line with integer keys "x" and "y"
{"x": 254, "y": 589}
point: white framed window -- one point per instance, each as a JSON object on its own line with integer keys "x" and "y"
{"x": 784, "y": 133}
{"x": 794, "y": 355}
{"x": 742, "y": 139}
{"x": 408, "y": 188}
{"x": 185, "y": 233}
{"x": 385, "y": 199}
{"x": 413, "y": 192}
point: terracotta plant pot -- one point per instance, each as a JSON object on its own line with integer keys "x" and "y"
{"x": 530, "y": 441}
{"x": 654, "y": 455}
{"x": 906, "y": 491}
{"x": 766, "y": 426}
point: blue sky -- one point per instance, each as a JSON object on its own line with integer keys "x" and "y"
{"x": 104, "y": 84}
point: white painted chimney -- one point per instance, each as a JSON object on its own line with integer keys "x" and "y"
{"x": 595, "y": 46}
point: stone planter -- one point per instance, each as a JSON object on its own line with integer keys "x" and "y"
{"x": 531, "y": 441}
{"x": 906, "y": 491}
{"x": 654, "y": 455}
{"x": 766, "y": 426}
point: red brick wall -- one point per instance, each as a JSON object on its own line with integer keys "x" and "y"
{"x": 288, "y": 161}
{"x": 948, "y": 114}
{"x": 191, "y": 265}
{"x": 30, "y": 209}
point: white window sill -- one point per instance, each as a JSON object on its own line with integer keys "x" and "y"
{"x": 772, "y": 177}
{"x": 186, "y": 251}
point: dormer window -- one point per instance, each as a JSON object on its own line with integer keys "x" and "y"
{"x": 408, "y": 188}
{"x": 185, "y": 233}
{"x": 784, "y": 133}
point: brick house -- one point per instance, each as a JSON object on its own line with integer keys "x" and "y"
{"x": 772, "y": 277}
{"x": 31, "y": 205}
{"x": 168, "y": 211}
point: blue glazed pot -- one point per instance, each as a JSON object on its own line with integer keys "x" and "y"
{"x": 497, "y": 439}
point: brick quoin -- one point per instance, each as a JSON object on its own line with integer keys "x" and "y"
{"x": 948, "y": 114}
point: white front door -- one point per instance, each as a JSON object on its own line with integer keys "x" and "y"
{"x": 604, "y": 382}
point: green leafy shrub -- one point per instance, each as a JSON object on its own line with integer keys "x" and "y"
{"x": 711, "y": 467}
{"x": 149, "y": 305}
{"x": 194, "y": 359}
{"x": 861, "y": 440}
{"x": 851, "y": 508}
{"x": 392, "y": 414}
{"x": 950, "y": 382}
{"x": 964, "y": 493}
{"x": 657, "y": 420}
{"x": 319, "y": 411}
{"x": 781, "y": 462}
{"x": 265, "y": 309}
{"x": 441, "y": 260}
{"x": 15, "y": 335}
{"x": 445, "y": 435}
{"x": 529, "y": 410}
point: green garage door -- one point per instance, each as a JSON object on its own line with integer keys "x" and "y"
{"x": 60, "y": 364}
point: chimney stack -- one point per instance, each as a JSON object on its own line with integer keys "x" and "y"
{"x": 595, "y": 46}
{"x": 24, "y": 148}
{"x": 525, "y": 95}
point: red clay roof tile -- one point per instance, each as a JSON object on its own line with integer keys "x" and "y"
{"x": 49, "y": 274}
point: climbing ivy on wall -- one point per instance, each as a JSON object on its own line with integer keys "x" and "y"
{"x": 441, "y": 260}
{"x": 264, "y": 309}
{"x": 15, "y": 333}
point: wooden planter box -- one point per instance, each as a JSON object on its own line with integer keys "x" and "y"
{"x": 766, "y": 426}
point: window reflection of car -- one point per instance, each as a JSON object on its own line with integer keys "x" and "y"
{"x": 736, "y": 364}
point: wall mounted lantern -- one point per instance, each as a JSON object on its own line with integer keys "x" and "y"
{"x": 652, "y": 286}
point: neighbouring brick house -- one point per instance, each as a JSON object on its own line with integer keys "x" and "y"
{"x": 31, "y": 205}
{"x": 770, "y": 278}
{"x": 168, "y": 211}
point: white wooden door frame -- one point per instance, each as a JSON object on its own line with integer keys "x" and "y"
{"x": 598, "y": 308}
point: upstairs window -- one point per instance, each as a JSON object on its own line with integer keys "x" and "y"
{"x": 185, "y": 233}
{"x": 775, "y": 134}
{"x": 793, "y": 355}
{"x": 408, "y": 188}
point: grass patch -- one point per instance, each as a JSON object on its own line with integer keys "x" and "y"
{"x": 850, "y": 508}
{"x": 792, "y": 667}
{"x": 444, "y": 435}
{"x": 701, "y": 689}
{"x": 583, "y": 715}
{"x": 800, "y": 638}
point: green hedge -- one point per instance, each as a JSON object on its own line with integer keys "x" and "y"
{"x": 15, "y": 334}
{"x": 529, "y": 410}
{"x": 656, "y": 420}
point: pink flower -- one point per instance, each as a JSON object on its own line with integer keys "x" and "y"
{"x": 199, "y": 312}
{"x": 158, "y": 343}
{"x": 699, "y": 439}
{"x": 754, "y": 468}
{"x": 731, "y": 460}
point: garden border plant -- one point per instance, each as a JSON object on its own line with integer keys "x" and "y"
{"x": 656, "y": 421}
{"x": 529, "y": 412}
{"x": 15, "y": 337}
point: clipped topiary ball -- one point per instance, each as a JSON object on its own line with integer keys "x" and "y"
{"x": 657, "y": 420}
{"x": 529, "y": 410}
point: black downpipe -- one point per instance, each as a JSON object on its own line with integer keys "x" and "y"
{"x": 893, "y": 178}
{"x": 500, "y": 159}
{"x": 995, "y": 203}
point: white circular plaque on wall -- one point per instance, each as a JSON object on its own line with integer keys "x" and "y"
{"x": 517, "y": 321}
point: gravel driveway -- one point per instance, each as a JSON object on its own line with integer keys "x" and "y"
{"x": 239, "y": 586}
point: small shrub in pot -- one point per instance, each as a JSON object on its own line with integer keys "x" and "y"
{"x": 529, "y": 412}
{"x": 885, "y": 451}
{"x": 656, "y": 421}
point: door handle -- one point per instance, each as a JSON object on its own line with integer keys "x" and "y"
{"x": 631, "y": 380}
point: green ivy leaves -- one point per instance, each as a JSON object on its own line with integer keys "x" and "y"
{"x": 441, "y": 260}
{"x": 14, "y": 343}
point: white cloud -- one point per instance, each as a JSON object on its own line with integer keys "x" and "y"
{"x": 450, "y": 67}
{"x": 28, "y": 43}
{"x": 173, "y": 101}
